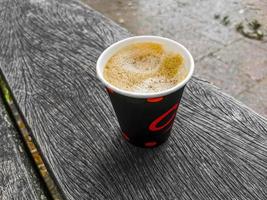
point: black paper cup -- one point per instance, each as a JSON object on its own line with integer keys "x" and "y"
{"x": 145, "y": 119}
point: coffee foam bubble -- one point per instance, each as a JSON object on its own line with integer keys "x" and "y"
{"x": 133, "y": 62}
{"x": 154, "y": 84}
{"x": 145, "y": 67}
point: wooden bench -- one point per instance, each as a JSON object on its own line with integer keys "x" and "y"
{"x": 48, "y": 52}
{"x": 18, "y": 179}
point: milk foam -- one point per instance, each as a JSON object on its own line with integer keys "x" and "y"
{"x": 145, "y": 67}
{"x": 154, "y": 84}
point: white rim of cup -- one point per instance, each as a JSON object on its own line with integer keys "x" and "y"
{"x": 146, "y": 38}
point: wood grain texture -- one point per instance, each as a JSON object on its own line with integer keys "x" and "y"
{"x": 24, "y": 132}
{"x": 48, "y": 51}
{"x": 18, "y": 180}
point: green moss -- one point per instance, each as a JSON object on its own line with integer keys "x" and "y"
{"x": 5, "y": 91}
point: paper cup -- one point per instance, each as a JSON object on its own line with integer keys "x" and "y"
{"x": 145, "y": 119}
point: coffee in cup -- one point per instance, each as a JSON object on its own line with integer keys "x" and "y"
{"x": 145, "y": 67}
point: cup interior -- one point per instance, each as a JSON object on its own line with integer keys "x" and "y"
{"x": 166, "y": 43}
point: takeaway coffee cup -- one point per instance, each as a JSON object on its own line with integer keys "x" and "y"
{"x": 145, "y": 119}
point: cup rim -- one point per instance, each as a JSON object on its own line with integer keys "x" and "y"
{"x": 143, "y": 95}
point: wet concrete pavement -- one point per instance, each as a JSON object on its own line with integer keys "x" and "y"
{"x": 223, "y": 56}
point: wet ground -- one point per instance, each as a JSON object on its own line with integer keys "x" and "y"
{"x": 207, "y": 28}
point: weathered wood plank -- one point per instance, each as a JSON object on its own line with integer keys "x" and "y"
{"x": 17, "y": 177}
{"x": 48, "y": 51}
